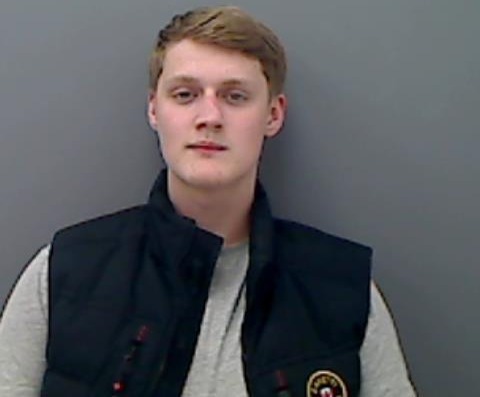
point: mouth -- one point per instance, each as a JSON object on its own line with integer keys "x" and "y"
{"x": 207, "y": 146}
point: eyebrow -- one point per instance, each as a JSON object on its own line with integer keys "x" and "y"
{"x": 181, "y": 79}
{"x": 185, "y": 79}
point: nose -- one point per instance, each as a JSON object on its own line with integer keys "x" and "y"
{"x": 209, "y": 114}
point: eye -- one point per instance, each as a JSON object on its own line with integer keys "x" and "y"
{"x": 235, "y": 97}
{"x": 183, "y": 95}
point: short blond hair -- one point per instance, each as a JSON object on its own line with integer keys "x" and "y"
{"x": 229, "y": 28}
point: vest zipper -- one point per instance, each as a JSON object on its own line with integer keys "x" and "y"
{"x": 120, "y": 383}
{"x": 161, "y": 367}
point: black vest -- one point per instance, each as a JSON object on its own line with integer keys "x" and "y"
{"x": 127, "y": 293}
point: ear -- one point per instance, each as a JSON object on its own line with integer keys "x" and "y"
{"x": 276, "y": 117}
{"x": 152, "y": 109}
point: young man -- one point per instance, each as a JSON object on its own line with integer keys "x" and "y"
{"x": 201, "y": 292}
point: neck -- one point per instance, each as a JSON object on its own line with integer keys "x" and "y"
{"x": 222, "y": 211}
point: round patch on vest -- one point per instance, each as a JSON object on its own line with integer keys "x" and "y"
{"x": 326, "y": 384}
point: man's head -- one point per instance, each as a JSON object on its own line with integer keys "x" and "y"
{"x": 229, "y": 28}
{"x": 216, "y": 93}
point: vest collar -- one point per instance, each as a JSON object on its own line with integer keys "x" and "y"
{"x": 172, "y": 234}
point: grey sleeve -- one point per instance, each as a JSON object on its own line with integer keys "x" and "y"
{"x": 384, "y": 372}
{"x": 23, "y": 331}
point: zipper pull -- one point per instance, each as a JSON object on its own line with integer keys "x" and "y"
{"x": 282, "y": 389}
{"x": 120, "y": 384}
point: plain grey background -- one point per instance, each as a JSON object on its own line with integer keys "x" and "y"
{"x": 380, "y": 143}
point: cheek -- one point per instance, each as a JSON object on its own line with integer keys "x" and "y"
{"x": 166, "y": 128}
{"x": 250, "y": 142}
{"x": 254, "y": 127}
{"x": 170, "y": 123}
{"x": 165, "y": 117}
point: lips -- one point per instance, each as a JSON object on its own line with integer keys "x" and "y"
{"x": 210, "y": 146}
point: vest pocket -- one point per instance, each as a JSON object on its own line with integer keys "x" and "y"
{"x": 311, "y": 376}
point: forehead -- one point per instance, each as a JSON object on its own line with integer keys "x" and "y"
{"x": 206, "y": 62}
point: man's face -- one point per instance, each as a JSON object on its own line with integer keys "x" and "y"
{"x": 212, "y": 111}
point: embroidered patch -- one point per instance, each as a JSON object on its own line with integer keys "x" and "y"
{"x": 326, "y": 384}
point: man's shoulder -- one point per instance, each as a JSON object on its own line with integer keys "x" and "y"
{"x": 123, "y": 223}
{"x": 307, "y": 237}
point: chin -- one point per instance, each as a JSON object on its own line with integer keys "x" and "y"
{"x": 208, "y": 178}
{"x": 202, "y": 179}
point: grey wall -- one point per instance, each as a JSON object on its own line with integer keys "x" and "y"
{"x": 379, "y": 145}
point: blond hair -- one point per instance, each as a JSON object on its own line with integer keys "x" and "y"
{"x": 229, "y": 28}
